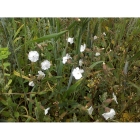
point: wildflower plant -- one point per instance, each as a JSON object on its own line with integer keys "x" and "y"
{"x": 69, "y": 70}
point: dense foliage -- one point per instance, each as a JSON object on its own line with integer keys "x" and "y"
{"x": 109, "y": 68}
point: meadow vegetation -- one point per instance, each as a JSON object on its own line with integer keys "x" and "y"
{"x": 69, "y": 69}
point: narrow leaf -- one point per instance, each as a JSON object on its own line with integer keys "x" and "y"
{"x": 18, "y": 30}
{"x": 94, "y": 64}
{"x": 48, "y": 37}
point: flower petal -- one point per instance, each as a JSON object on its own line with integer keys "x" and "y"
{"x": 33, "y": 56}
{"x": 46, "y": 110}
{"x": 90, "y": 110}
{"x": 109, "y": 114}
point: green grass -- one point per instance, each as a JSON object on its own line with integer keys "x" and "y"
{"x": 68, "y": 98}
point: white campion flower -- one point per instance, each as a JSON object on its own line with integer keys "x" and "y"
{"x": 82, "y": 48}
{"x": 80, "y": 62}
{"x": 97, "y": 54}
{"x": 40, "y": 75}
{"x": 77, "y": 73}
{"x": 90, "y": 110}
{"x": 104, "y": 33}
{"x": 109, "y": 114}
{"x": 45, "y": 65}
{"x": 70, "y": 40}
{"x": 46, "y": 110}
{"x": 79, "y": 19}
{"x": 95, "y": 37}
{"x": 33, "y": 56}
{"x": 114, "y": 98}
{"x": 31, "y": 83}
{"x": 65, "y": 58}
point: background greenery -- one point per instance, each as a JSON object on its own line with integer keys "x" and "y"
{"x": 68, "y": 98}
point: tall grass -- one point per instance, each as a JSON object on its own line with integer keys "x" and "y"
{"x": 116, "y": 69}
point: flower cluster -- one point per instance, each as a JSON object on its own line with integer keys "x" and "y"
{"x": 33, "y": 56}
{"x": 76, "y": 73}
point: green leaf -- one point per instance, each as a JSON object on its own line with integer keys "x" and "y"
{"x": 6, "y": 114}
{"x": 4, "y": 102}
{"x": 73, "y": 87}
{"x": 4, "y": 53}
{"x": 96, "y": 63}
{"x": 6, "y": 64}
{"x": 18, "y": 38}
{"x": 16, "y": 114}
{"x": 7, "y": 85}
{"x": 48, "y": 37}
{"x": 18, "y": 30}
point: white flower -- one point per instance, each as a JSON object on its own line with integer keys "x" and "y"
{"x": 65, "y": 58}
{"x": 46, "y": 110}
{"x": 70, "y": 40}
{"x": 31, "y": 84}
{"x": 80, "y": 62}
{"x": 90, "y": 110}
{"x": 40, "y": 75}
{"x": 104, "y": 33}
{"x": 109, "y": 114}
{"x": 77, "y": 73}
{"x": 115, "y": 98}
{"x": 79, "y": 19}
{"x": 95, "y": 37}
{"x": 97, "y": 54}
{"x": 33, "y": 56}
{"x": 82, "y": 48}
{"x": 45, "y": 65}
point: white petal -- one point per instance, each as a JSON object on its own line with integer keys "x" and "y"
{"x": 97, "y": 54}
{"x": 33, "y": 56}
{"x": 104, "y": 33}
{"x": 105, "y": 116}
{"x": 80, "y": 62}
{"x": 45, "y": 65}
{"x": 81, "y": 70}
{"x": 90, "y": 110}
{"x": 64, "y": 60}
{"x": 95, "y": 37}
{"x": 70, "y": 40}
{"x": 46, "y": 110}
{"x": 40, "y": 75}
{"x": 77, "y": 73}
{"x": 31, "y": 84}
{"x": 115, "y": 98}
{"x": 109, "y": 114}
{"x": 68, "y": 56}
{"x": 82, "y": 48}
